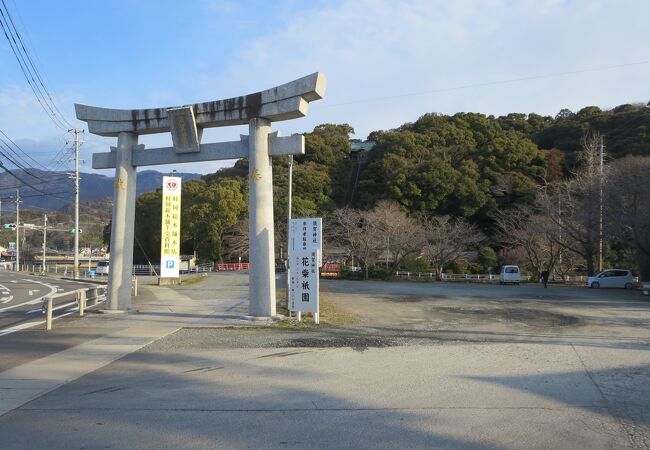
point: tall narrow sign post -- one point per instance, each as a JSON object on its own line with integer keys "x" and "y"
{"x": 305, "y": 287}
{"x": 305, "y": 258}
{"x": 170, "y": 234}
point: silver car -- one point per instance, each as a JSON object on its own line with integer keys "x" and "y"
{"x": 611, "y": 278}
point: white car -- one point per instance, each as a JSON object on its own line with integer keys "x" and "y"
{"x": 611, "y": 278}
{"x": 102, "y": 268}
{"x": 509, "y": 274}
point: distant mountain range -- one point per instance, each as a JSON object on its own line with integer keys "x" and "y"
{"x": 33, "y": 185}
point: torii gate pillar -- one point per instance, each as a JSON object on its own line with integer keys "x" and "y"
{"x": 186, "y": 123}
{"x": 261, "y": 248}
{"x": 123, "y": 220}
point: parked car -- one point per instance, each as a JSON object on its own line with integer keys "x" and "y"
{"x": 510, "y": 274}
{"x": 611, "y": 278}
{"x": 102, "y": 268}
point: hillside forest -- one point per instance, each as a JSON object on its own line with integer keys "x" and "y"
{"x": 463, "y": 193}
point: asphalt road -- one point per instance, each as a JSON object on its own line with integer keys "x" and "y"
{"x": 429, "y": 365}
{"x": 21, "y": 298}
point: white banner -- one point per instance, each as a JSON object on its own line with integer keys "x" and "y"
{"x": 304, "y": 295}
{"x": 306, "y": 234}
{"x": 170, "y": 234}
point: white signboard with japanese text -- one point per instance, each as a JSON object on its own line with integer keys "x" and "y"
{"x": 170, "y": 236}
{"x": 304, "y": 281}
{"x": 306, "y": 234}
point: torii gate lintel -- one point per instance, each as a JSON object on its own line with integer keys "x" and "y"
{"x": 186, "y": 123}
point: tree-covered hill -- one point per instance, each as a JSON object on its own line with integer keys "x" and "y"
{"x": 625, "y": 129}
{"x": 466, "y": 165}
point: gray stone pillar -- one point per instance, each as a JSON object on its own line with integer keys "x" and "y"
{"x": 121, "y": 262}
{"x": 260, "y": 218}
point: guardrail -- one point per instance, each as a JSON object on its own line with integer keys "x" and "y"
{"x": 486, "y": 278}
{"x": 81, "y": 298}
{"x": 86, "y": 273}
{"x": 233, "y": 266}
{"x": 478, "y": 277}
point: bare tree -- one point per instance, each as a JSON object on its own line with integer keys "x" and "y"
{"x": 353, "y": 229}
{"x": 574, "y": 205}
{"x": 447, "y": 238}
{"x": 236, "y": 240}
{"x": 628, "y": 200}
{"x": 535, "y": 234}
{"x": 397, "y": 234}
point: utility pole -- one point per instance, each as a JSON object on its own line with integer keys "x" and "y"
{"x": 76, "y": 201}
{"x": 17, "y": 230}
{"x": 44, "y": 242}
{"x": 600, "y": 220}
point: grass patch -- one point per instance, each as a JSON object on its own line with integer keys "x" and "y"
{"x": 330, "y": 314}
{"x": 192, "y": 280}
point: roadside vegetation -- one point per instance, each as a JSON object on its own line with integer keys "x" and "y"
{"x": 330, "y": 314}
{"x": 462, "y": 193}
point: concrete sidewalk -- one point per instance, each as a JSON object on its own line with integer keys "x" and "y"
{"x": 100, "y": 339}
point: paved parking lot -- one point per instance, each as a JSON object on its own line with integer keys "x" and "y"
{"x": 491, "y": 312}
{"x": 427, "y": 366}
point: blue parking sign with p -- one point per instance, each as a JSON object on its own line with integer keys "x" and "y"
{"x": 169, "y": 267}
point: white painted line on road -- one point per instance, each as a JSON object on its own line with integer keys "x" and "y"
{"x": 22, "y": 326}
{"x": 31, "y": 302}
{"x": 26, "y": 325}
{"x": 6, "y": 299}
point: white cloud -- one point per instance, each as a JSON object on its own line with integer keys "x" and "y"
{"x": 376, "y": 53}
{"x": 373, "y": 49}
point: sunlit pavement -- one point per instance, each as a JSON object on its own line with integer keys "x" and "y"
{"x": 502, "y": 380}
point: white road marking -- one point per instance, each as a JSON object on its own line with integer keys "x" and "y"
{"x": 24, "y": 326}
{"x": 6, "y": 299}
{"x": 5, "y": 290}
{"x": 36, "y": 300}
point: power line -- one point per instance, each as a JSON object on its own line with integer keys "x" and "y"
{"x": 26, "y": 183}
{"x": 29, "y": 70}
{"x": 10, "y": 198}
{"x": 21, "y": 150}
{"x": 487, "y": 83}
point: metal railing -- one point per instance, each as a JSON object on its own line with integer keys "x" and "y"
{"x": 86, "y": 273}
{"x": 233, "y": 266}
{"x": 82, "y": 296}
{"x": 484, "y": 277}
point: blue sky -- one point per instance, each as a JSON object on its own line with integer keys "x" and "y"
{"x": 387, "y": 62}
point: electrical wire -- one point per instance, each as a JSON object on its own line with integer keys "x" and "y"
{"x": 16, "y": 146}
{"x": 28, "y": 68}
{"x": 10, "y": 172}
{"x": 487, "y": 83}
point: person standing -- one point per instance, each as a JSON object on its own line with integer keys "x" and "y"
{"x": 545, "y": 276}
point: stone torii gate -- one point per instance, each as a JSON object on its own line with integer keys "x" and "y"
{"x": 186, "y": 123}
